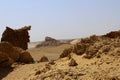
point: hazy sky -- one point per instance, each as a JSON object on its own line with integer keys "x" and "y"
{"x": 61, "y": 18}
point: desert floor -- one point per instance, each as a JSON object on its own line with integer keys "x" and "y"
{"x": 105, "y": 68}
{"x": 52, "y": 52}
{"x": 21, "y": 72}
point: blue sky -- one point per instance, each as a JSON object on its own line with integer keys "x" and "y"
{"x": 61, "y": 19}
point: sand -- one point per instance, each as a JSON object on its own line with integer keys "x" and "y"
{"x": 52, "y": 52}
{"x": 105, "y": 68}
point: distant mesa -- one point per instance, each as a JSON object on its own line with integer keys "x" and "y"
{"x": 49, "y": 41}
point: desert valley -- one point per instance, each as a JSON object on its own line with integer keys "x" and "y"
{"x": 90, "y": 58}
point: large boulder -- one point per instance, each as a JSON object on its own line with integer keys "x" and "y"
{"x": 17, "y": 37}
{"x": 44, "y": 59}
{"x": 8, "y": 49}
{"x": 79, "y": 48}
{"x": 25, "y": 57}
{"x": 15, "y": 53}
{"x": 5, "y": 60}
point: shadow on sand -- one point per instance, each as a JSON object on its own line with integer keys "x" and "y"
{"x": 4, "y": 72}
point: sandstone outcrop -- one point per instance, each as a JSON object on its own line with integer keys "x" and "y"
{"x": 5, "y": 60}
{"x": 13, "y": 45}
{"x": 10, "y": 54}
{"x": 66, "y": 52}
{"x": 17, "y": 37}
{"x": 95, "y": 46}
{"x": 7, "y": 48}
{"x": 25, "y": 57}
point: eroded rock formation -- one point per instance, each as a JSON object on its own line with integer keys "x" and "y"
{"x": 13, "y": 45}
{"x": 5, "y": 60}
{"x": 17, "y": 37}
{"x": 113, "y": 34}
{"x": 95, "y": 46}
{"x": 10, "y": 54}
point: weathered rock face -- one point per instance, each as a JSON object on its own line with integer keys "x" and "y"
{"x": 66, "y": 52}
{"x": 7, "y": 48}
{"x": 113, "y": 34}
{"x": 96, "y": 46}
{"x": 10, "y": 54}
{"x": 5, "y": 60}
{"x": 18, "y": 38}
{"x": 25, "y": 57}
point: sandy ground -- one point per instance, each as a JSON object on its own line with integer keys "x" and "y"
{"x": 21, "y": 72}
{"x": 105, "y": 68}
{"x": 52, "y": 52}
{"x": 93, "y": 69}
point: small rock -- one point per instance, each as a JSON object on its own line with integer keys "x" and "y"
{"x": 98, "y": 56}
{"x": 47, "y": 66}
{"x": 108, "y": 62}
{"x": 38, "y": 72}
{"x": 44, "y": 59}
{"x": 73, "y": 63}
{"x": 51, "y": 62}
